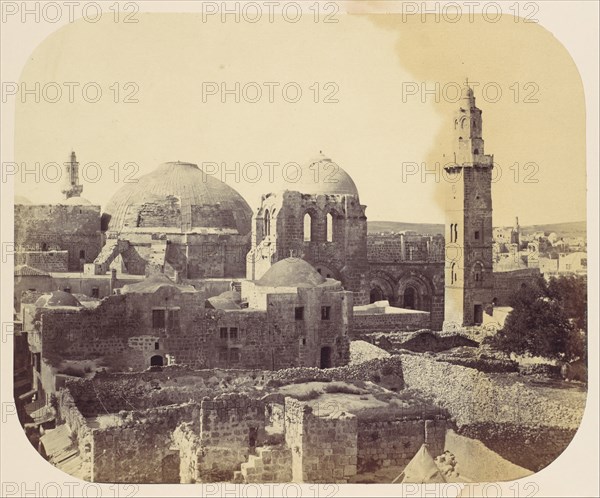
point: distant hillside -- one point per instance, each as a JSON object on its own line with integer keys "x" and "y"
{"x": 569, "y": 228}
{"x": 399, "y": 226}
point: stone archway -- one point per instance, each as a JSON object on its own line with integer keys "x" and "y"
{"x": 157, "y": 361}
{"x": 376, "y": 294}
{"x": 381, "y": 288}
{"x": 415, "y": 292}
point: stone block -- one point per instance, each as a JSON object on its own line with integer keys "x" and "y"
{"x": 349, "y": 470}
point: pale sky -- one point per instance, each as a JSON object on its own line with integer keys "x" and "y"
{"x": 370, "y": 131}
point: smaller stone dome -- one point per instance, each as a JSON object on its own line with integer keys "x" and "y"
{"x": 291, "y": 272}
{"x": 57, "y": 299}
{"x": 153, "y": 283}
{"x": 321, "y": 175}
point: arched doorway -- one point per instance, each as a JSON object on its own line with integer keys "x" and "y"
{"x": 414, "y": 292}
{"x": 376, "y": 295}
{"x": 381, "y": 288}
{"x": 410, "y": 298}
{"x": 157, "y": 361}
{"x": 170, "y": 469}
{"x": 325, "y": 357}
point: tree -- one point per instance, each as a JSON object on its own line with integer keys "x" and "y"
{"x": 546, "y": 321}
{"x": 571, "y": 292}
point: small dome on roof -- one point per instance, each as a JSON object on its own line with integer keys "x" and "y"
{"x": 57, "y": 299}
{"x": 291, "y": 272}
{"x": 153, "y": 283}
{"x": 321, "y": 175}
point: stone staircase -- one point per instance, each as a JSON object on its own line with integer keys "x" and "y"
{"x": 109, "y": 252}
{"x": 270, "y": 464}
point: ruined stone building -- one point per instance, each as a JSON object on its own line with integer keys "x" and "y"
{"x": 319, "y": 219}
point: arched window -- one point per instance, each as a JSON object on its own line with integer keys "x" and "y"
{"x": 478, "y": 273}
{"x": 308, "y": 221}
{"x": 453, "y": 273}
{"x": 329, "y": 225}
{"x": 410, "y": 298}
{"x": 267, "y": 225}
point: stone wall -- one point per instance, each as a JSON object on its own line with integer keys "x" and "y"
{"x": 68, "y": 413}
{"x": 75, "y": 229}
{"x": 138, "y": 448}
{"x": 508, "y": 283}
{"x": 324, "y": 449}
{"x": 51, "y": 261}
{"x": 522, "y": 425}
{"x": 532, "y": 448}
{"x": 393, "y": 443}
{"x": 231, "y": 427}
{"x": 390, "y": 322}
{"x": 270, "y": 464}
{"x": 397, "y": 247}
{"x": 474, "y": 397}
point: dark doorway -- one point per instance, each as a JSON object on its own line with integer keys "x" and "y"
{"x": 478, "y": 314}
{"x": 410, "y": 298}
{"x": 156, "y": 361}
{"x": 326, "y": 357}
{"x": 376, "y": 295}
{"x": 170, "y": 469}
{"x": 252, "y": 436}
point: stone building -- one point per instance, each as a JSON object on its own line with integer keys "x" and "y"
{"x": 320, "y": 219}
{"x": 291, "y": 317}
{"x": 59, "y": 237}
{"x": 407, "y": 270}
{"x": 468, "y": 233}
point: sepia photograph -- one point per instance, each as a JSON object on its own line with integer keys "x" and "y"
{"x": 255, "y": 248}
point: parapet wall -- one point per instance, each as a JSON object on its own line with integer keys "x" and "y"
{"x": 390, "y": 322}
{"x": 394, "y": 443}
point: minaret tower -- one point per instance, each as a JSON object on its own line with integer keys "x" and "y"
{"x": 515, "y": 235}
{"x": 468, "y": 233}
{"x": 72, "y": 187}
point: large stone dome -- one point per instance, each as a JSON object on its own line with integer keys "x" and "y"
{"x": 321, "y": 175}
{"x": 180, "y": 196}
